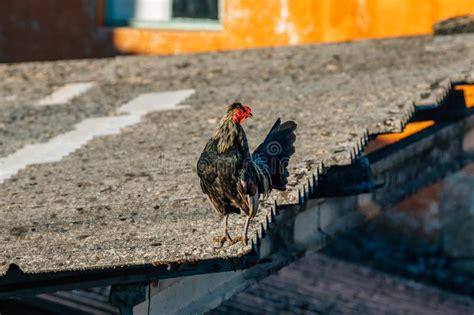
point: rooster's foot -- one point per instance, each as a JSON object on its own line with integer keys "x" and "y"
{"x": 220, "y": 240}
{"x": 242, "y": 239}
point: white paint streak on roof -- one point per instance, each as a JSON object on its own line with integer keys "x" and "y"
{"x": 151, "y": 102}
{"x": 66, "y": 93}
{"x": 62, "y": 145}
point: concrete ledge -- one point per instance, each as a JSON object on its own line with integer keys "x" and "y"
{"x": 457, "y": 211}
{"x": 200, "y": 293}
{"x": 417, "y": 161}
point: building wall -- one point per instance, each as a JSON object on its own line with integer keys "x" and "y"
{"x": 52, "y": 29}
{"x": 250, "y": 23}
{"x": 58, "y": 29}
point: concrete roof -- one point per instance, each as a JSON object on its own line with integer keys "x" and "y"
{"x": 319, "y": 284}
{"x": 133, "y": 198}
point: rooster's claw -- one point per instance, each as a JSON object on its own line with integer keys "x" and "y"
{"x": 222, "y": 239}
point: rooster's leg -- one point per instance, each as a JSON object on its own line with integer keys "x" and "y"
{"x": 226, "y": 237}
{"x": 245, "y": 231}
{"x": 226, "y": 232}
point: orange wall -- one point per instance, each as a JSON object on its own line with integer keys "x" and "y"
{"x": 64, "y": 29}
{"x": 251, "y": 23}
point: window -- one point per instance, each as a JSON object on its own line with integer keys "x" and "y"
{"x": 170, "y": 14}
{"x": 201, "y": 9}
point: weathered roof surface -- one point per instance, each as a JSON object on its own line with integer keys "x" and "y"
{"x": 319, "y": 284}
{"x": 455, "y": 25}
{"x": 133, "y": 198}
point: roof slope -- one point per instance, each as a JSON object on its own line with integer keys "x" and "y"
{"x": 133, "y": 198}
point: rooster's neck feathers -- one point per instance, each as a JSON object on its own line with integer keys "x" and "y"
{"x": 227, "y": 132}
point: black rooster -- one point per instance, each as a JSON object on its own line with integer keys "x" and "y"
{"x": 232, "y": 178}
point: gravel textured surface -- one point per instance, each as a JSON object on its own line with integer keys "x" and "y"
{"x": 134, "y": 198}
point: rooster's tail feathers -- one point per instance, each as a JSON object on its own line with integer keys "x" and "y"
{"x": 273, "y": 155}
